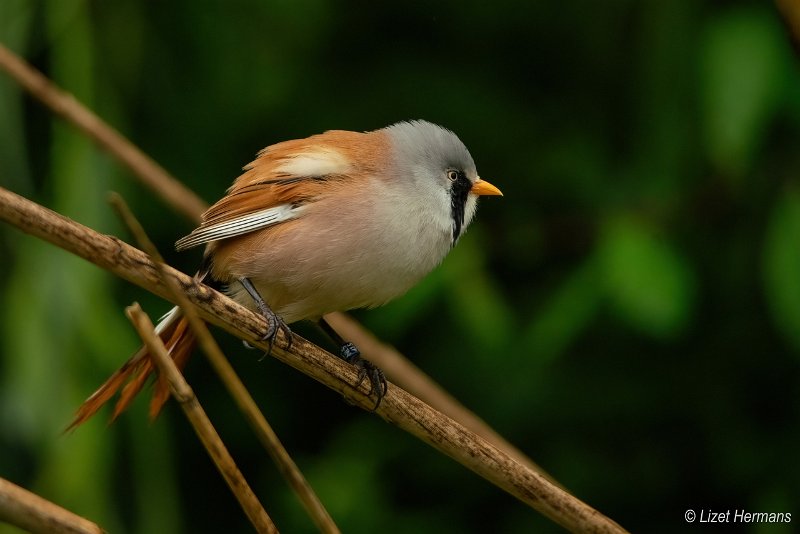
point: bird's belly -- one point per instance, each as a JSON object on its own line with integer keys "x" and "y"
{"x": 337, "y": 264}
{"x": 362, "y": 278}
{"x": 336, "y": 259}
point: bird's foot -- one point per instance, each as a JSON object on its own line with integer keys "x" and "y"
{"x": 366, "y": 370}
{"x": 274, "y": 322}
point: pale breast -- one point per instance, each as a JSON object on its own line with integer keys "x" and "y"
{"x": 343, "y": 253}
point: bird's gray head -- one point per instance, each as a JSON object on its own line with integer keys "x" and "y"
{"x": 439, "y": 166}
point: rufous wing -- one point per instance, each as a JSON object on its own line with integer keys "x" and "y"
{"x": 284, "y": 178}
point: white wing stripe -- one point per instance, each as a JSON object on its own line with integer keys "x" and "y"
{"x": 167, "y": 318}
{"x": 238, "y": 226}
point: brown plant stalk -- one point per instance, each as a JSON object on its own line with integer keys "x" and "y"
{"x": 185, "y": 201}
{"x": 28, "y": 511}
{"x": 182, "y": 392}
{"x": 233, "y": 384}
{"x": 790, "y": 11}
{"x": 418, "y": 383}
{"x": 67, "y": 107}
{"x": 398, "y": 407}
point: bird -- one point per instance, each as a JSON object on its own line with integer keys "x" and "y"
{"x": 332, "y": 222}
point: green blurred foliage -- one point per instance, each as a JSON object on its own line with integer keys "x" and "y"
{"x": 628, "y": 313}
{"x": 644, "y": 279}
{"x": 745, "y": 76}
{"x": 782, "y": 263}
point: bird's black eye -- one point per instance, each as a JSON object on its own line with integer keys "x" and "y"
{"x": 452, "y": 175}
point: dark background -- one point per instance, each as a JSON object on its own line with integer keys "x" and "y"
{"x": 628, "y": 314}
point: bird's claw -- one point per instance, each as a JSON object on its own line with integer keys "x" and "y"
{"x": 366, "y": 369}
{"x": 275, "y": 323}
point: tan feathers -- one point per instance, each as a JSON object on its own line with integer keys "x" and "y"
{"x": 333, "y": 222}
{"x": 284, "y": 177}
{"x": 177, "y": 337}
{"x": 272, "y": 190}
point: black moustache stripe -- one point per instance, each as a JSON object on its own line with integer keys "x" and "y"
{"x": 458, "y": 202}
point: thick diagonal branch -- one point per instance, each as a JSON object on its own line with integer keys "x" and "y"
{"x": 185, "y": 201}
{"x": 398, "y": 407}
{"x": 28, "y": 511}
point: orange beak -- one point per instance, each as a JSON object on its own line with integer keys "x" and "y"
{"x": 484, "y": 188}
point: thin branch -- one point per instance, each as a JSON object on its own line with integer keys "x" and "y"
{"x": 184, "y": 200}
{"x": 28, "y": 511}
{"x": 419, "y": 384}
{"x": 790, "y": 10}
{"x": 64, "y": 104}
{"x": 234, "y": 385}
{"x": 398, "y": 407}
{"x": 202, "y": 425}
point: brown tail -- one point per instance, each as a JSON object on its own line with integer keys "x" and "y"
{"x": 177, "y": 337}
